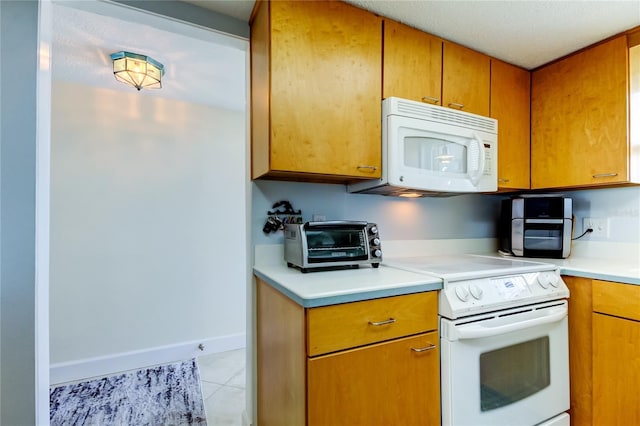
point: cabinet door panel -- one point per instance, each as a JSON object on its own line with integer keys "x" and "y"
{"x": 325, "y": 88}
{"x": 510, "y": 105}
{"x": 412, "y": 66}
{"x": 465, "y": 79}
{"x": 616, "y": 371}
{"x": 579, "y": 119}
{"x": 382, "y": 384}
{"x": 580, "y": 343}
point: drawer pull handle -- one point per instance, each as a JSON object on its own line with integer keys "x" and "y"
{"x": 365, "y": 167}
{"x": 426, "y": 348}
{"x": 599, "y": 175}
{"x": 385, "y": 322}
{"x": 456, "y": 105}
{"x": 430, "y": 100}
{"x": 502, "y": 180}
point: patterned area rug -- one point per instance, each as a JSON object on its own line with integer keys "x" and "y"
{"x": 168, "y": 395}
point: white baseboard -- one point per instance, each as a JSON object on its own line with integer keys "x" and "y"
{"x": 88, "y": 368}
{"x": 246, "y": 421}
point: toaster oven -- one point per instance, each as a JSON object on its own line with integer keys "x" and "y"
{"x": 315, "y": 246}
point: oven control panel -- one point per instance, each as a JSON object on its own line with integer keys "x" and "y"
{"x": 469, "y": 297}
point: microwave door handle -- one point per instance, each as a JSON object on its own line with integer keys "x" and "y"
{"x": 475, "y": 177}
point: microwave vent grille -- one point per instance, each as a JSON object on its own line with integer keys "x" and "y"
{"x": 446, "y": 116}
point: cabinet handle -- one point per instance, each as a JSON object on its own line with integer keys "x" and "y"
{"x": 599, "y": 175}
{"x": 385, "y": 322}
{"x": 426, "y": 348}
{"x": 430, "y": 100}
{"x": 365, "y": 167}
{"x": 502, "y": 180}
{"x": 456, "y": 105}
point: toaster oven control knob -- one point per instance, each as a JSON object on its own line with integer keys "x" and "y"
{"x": 377, "y": 253}
{"x": 376, "y": 241}
{"x": 475, "y": 291}
{"x": 373, "y": 230}
{"x": 462, "y": 293}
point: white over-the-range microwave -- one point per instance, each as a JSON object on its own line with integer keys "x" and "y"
{"x": 434, "y": 150}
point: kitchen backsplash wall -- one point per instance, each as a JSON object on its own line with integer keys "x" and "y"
{"x": 620, "y": 205}
{"x": 463, "y": 216}
{"x": 458, "y": 217}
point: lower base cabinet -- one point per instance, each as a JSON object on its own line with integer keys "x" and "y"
{"x": 616, "y": 354}
{"x": 604, "y": 352}
{"x": 382, "y": 384}
{"x": 392, "y": 380}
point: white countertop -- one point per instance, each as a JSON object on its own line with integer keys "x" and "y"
{"x": 622, "y": 271}
{"x": 609, "y": 262}
{"x": 618, "y": 262}
{"x": 332, "y": 287}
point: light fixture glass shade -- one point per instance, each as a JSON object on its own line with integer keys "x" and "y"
{"x": 137, "y": 70}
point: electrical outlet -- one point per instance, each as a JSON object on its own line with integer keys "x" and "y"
{"x": 599, "y": 225}
{"x": 318, "y": 217}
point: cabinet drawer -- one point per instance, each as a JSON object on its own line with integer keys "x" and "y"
{"x": 337, "y": 327}
{"x": 616, "y": 299}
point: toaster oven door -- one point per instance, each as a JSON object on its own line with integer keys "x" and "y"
{"x": 336, "y": 244}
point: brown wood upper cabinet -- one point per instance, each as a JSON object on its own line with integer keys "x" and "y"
{"x": 315, "y": 91}
{"x": 412, "y": 66}
{"x": 424, "y": 68}
{"x": 510, "y": 105}
{"x": 579, "y": 119}
{"x": 465, "y": 79}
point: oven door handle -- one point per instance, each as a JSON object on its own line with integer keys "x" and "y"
{"x": 479, "y": 330}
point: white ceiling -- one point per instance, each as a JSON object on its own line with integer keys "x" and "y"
{"x": 201, "y": 66}
{"x": 528, "y": 33}
{"x": 207, "y": 67}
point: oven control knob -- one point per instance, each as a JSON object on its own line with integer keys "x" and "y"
{"x": 377, "y": 253}
{"x": 476, "y": 291}
{"x": 547, "y": 278}
{"x": 373, "y": 230}
{"x": 462, "y": 293}
{"x": 376, "y": 241}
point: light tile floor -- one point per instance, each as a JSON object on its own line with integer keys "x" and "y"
{"x": 222, "y": 376}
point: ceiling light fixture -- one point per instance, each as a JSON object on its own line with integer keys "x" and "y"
{"x": 137, "y": 70}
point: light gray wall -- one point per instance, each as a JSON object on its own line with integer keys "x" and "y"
{"x": 18, "y": 67}
{"x": 147, "y": 223}
{"x": 620, "y": 205}
{"x": 465, "y": 216}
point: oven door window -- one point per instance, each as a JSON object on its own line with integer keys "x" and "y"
{"x": 513, "y": 373}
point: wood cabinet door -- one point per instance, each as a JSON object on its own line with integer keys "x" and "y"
{"x": 382, "y": 384}
{"x": 580, "y": 344}
{"x": 616, "y": 371}
{"x": 510, "y": 105}
{"x": 412, "y": 64}
{"x": 465, "y": 79}
{"x": 579, "y": 119}
{"x": 325, "y": 89}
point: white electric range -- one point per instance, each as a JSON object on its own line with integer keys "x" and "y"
{"x": 503, "y": 339}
